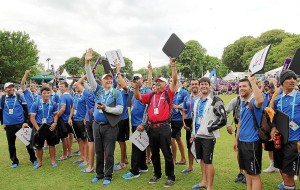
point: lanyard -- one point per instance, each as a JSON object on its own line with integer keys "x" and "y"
{"x": 191, "y": 103}
{"x": 293, "y": 107}
{"x": 44, "y": 110}
{"x": 13, "y": 105}
{"x": 33, "y": 97}
{"x": 199, "y": 105}
{"x": 104, "y": 98}
{"x": 154, "y": 99}
{"x": 77, "y": 100}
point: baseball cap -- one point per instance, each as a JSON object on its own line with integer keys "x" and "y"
{"x": 8, "y": 84}
{"x": 105, "y": 75}
{"x": 162, "y": 79}
{"x": 137, "y": 76}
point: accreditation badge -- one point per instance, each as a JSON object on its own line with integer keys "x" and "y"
{"x": 293, "y": 126}
{"x": 10, "y": 111}
{"x": 156, "y": 111}
{"x": 44, "y": 120}
{"x": 75, "y": 112}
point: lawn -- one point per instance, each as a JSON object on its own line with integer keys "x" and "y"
{"x": 68, "y": 176}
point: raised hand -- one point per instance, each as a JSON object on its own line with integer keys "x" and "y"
{"x": 89, "y": 55}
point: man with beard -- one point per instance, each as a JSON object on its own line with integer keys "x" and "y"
{"x": 247, "y": 140}
{"x": 209, "y": 117}
{"x": 14, "y": 116}
{"x": 287, "y": 158}
{"x": 187, "y": 114}
{"x": 30, "y": 94}
{"x": 108, "y": 100}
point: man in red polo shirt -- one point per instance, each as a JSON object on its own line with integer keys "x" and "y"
{"x": 160, "y": 106}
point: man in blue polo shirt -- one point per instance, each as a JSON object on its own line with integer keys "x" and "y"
{"x": 177, "y": 124}
{"x": 287, "y": 158}
{"x": 14, "y": 116}
{"x": 138, "y": 157}
{"x": 44, "y": 112}
{"x": 247, "y": 140}
{"x": 77, "y": 118}
{"x": 65, "y": 130}
{"x": 108, "y": 101}
{"x": 30, "y": 94}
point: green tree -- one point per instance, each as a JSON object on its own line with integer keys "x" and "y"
{"x": 128, "y": 69}
{"x": 17, "y": 53}
{"x": 73, "y": 66}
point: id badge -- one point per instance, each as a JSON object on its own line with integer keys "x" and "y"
{"x": 10, "y": 111}
{"x": 293, "y": 126}
{"x": 75, "y": 112}
{"x": 156, "y": 111}
{"x": 100, "y": 111}
{"x": 44, "y": 120}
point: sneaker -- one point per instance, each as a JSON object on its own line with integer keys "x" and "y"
{"x": 14, "y": 165}
{"x": 95, "y": 180}
{"x": 130, "y": 175}
{"x": 244, "y": 179}
{"x": 169, "y": 183}
{"x": 106, "y": 182}
{"x": 281, "y": 186}
{"x": 239, "y": 178}
{"x": 154, "y": 179}
{"x": 295, "y": 177}
{"x": 143, "y": 171}
{"x": 270, "y": 169}
{"x": 35, "y": 162}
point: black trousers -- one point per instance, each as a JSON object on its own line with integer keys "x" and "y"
{"x": 160, "y": 138}
{"x": 138, "y": 158}
{"x": 11, "y": 139}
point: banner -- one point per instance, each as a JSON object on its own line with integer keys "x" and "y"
{"x": 213, "y": 73}
{"x": 258, "y": 61}
{"x": 114, "y": 57}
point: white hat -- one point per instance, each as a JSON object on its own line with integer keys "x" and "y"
{"x": 8, "y": 84}
{"x": 105, "y": 75}
{"x": 137, "y": 75}
{"x": 162, "y": 79}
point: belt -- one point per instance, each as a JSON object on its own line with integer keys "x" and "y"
{"x": 156, "y": 124}
{"x": 102, "y": 123}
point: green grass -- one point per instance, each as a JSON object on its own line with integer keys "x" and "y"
{"x": 68, "y": 176}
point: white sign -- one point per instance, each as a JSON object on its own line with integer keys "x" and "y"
{"x": 140, "y": 139}
{"x": 24, "y": 135}
{"x": 258, "y": 61}
{"x": 114, "y": 57}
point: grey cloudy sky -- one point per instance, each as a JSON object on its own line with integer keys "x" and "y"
{"x": 66, "y": 28}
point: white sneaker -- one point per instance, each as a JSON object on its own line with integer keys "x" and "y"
{"x": 295, "y": 177}
{"x": 270, "y": 169}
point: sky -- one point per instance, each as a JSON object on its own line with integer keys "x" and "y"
{"x": 66, "y": 28}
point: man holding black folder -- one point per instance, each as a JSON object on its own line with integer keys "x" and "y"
{"x": 43, "y": 116}
{"x": 107, "y": 111}
{"x": 187, "y": 115}
{"x": 287, "y": 158}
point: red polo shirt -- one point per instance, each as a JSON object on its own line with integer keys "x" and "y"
{"x": 158, "y": 101}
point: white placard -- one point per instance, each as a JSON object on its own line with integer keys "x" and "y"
{"x": 114, "y": 57}
{"x": 140, "y": 139}
{"x": 24, "y": 135}
{"x": 258, "y": 61}
{"x": 193, "y": 150}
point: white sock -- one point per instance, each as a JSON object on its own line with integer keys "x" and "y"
{"x": 271, "y": 162}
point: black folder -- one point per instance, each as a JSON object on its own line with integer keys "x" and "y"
{"x": 188, "y": 122}
{"x": 282, "y": 121}
{"x": 295, "y": 64}
{"x": 44, "y": 131}
{"x": 107, "y": 67}
{"x": 173, "y": 47}
{"x": 112, "y": 118}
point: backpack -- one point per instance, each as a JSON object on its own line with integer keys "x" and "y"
{"x": 4, "y": 97}
{"x": 265, "y": 127}
{"x": 236, "y": 110}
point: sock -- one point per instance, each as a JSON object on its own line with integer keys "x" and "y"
{"x": 272, "y": 163}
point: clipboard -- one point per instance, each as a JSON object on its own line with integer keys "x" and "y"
{"x": 188, "y": 122}
{"x": 112, "y": 118}
{"x": 174, "y": 46}
{"x": 44, "y": 131}
{"x": 281, "y": 122}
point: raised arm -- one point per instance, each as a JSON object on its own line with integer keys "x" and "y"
{"x": 174, "y": 75}
{"x": 150, "y": 71}
{"x": 23, "y": 81}
{"x": 259, "y": 99}
{"x": 88, "y": 57}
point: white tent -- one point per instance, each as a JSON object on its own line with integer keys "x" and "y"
{"x": 207, "y": 74}
{"x": 274, "y": 71}
{"x": 66, "y": 75}
{"x": 234, "y": 75}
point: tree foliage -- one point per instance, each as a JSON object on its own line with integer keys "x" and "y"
{"x": 17, "y": 53}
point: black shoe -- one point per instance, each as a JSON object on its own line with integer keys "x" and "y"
{"x": 244, "y": 179}
{"x": 239, "y": 178}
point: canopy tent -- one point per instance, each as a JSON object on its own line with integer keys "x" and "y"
{"x": 42, "y": 78}
{"x": 234, "y": 75}
{"x": 207, "y": 74}
{"x": 67, "y": 77}
{"x": 274, "y": 71}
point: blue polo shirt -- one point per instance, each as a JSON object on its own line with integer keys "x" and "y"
{"x": 80, "y": 107}
{"x": 105, "y": 97}
{"x": 90, "y": 102}
{"x": 199, "y": 112}
{"x": 66, "y": 99}
{"x": 54, "y": 97}
{"x": 188, "y": 105}
{"x": 125, "y": 96}
{"x": 43, "y": 110}
{"x": 178, "y": 99}
{"x": 287, "y": 104}
{"x": 138, "y": 108}
{"x": 30, "y": 98}
{"x": 11, "y": 102}
{"x": 248, "y": 131}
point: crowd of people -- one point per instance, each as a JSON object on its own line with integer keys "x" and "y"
{"x": 95, "y": 113}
